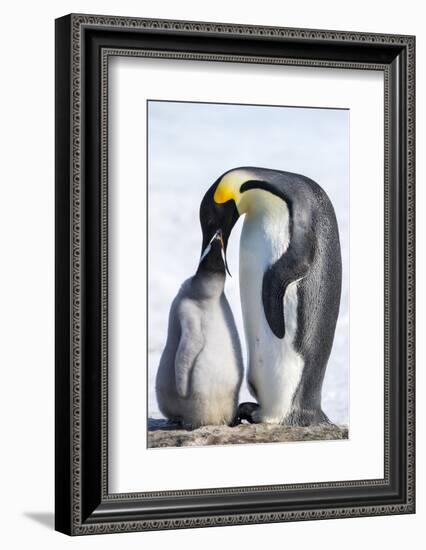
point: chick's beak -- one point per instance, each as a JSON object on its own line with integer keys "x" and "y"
{"x": 222, "y": 250}
{"x": 219, "y": 237}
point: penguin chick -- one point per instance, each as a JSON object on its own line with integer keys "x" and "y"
{"x": 201, "y": 367}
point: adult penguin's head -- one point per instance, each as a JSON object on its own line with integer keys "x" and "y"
{"x": 216, "y": 217}
{"x": 225, "y": 201}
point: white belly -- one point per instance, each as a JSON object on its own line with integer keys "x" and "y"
{"x": 274, "y": 367}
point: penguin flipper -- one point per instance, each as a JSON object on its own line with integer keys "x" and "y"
{"x": 291, "y": 267}
{"x": 190, "y": 345}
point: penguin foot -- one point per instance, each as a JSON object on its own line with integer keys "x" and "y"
{"x": 245, "y": 412}
{"x": 306, "y": 417}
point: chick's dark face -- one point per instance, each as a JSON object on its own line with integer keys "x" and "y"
{"x": 215, "y": 217}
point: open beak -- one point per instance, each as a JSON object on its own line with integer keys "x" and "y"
{"x": 222, "y": 251}
{"x": 217, "y": 236}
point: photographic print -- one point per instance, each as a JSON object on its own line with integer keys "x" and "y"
{"x": 248, "y": 287}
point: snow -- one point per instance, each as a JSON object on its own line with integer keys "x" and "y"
{"x": 190, "y": 145}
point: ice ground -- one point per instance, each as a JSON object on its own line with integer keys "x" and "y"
{"x": 190, "y": 145}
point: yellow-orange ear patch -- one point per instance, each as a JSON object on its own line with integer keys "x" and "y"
{"x": 223, "y": 193}
{"x": 229, "y": 186}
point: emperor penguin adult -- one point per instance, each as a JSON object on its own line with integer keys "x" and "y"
{"x": 290, "y": 286}
{"x": 201, "y": 368}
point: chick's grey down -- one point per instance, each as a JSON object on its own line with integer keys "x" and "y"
{"x": 201, "y": 367}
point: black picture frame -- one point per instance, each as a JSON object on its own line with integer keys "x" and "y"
{"x": 83, "y": 504}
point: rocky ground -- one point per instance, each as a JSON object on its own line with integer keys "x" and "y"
{"x": 163, "y": 434}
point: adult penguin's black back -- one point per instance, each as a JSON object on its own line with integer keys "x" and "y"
{"x": 319, "y": 294}
{"x": 290, "y": 282}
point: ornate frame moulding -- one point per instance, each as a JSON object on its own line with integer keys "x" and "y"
{"x": 84, "y": 44}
